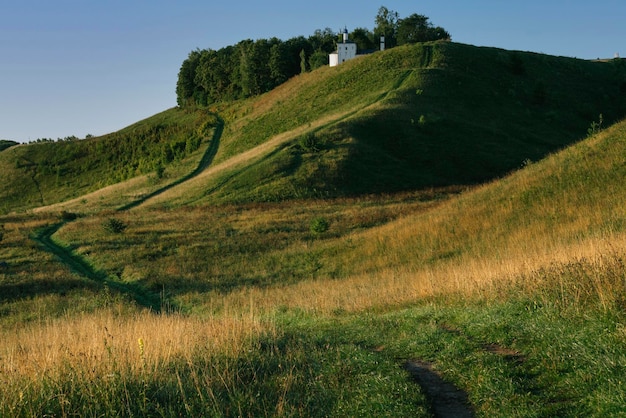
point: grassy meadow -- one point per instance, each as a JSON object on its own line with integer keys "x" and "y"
{"x": 262, "y": 287}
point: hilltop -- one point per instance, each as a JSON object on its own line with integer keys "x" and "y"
{"x": 416, "y": 117}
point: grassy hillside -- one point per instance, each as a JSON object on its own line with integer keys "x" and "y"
{"x": 512, "y": 291}
{"x": 420, "y": 116}
{"x": 523, "y": 221}
{"x": 43, "y": 173}
{"x": 411, "y": 118}
{"x": 208, "y": 300}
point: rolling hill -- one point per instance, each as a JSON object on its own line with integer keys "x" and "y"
{"x": 430, "y": 115}
{"x": 434, "y": 218}
{"x": 410, "y": 118}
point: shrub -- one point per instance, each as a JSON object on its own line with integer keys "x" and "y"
{"x": 160, "y": 171}
{"x": 319, "y": 226}
{"x": 309, "y": 142}
{"x": 595, "y": 127}
{"x": 114, "y": 226}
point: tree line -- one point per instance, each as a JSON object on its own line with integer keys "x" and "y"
{"x": 250, "y": 68}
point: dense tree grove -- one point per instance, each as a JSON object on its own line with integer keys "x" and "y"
{"x": 251, "y": 68}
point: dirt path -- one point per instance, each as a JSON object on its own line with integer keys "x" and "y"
{"x": 446, "y": 400}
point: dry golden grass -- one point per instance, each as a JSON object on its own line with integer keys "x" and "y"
{"x": 486, "y": 277}
{"x": 115, "y": 341}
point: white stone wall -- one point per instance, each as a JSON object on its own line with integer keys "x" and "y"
{"x": 345, "y": 51}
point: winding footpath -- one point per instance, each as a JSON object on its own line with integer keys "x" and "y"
{"x": 81, "y": 266}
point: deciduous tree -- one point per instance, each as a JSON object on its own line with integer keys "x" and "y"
{"x": 417, "y": 28}
{"x": 387, "y": 26}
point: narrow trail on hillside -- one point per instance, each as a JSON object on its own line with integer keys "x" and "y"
{"x": 205, "y": 162}
{"x": 272, "y": 145}
{"x": 82, "y": 267}
{"x": 77, "y": 263}
{"x": 205, "y": 168}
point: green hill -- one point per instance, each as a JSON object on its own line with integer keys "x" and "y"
{"x": 181, "y": 293}
{"x": 415, "y": 117}
{"x": 410, "y": 118}
{"x": 43, "y": 173}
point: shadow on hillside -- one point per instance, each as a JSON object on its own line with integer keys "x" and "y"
{"x": 468, "y": 135}
{"x": 10, "y": 292}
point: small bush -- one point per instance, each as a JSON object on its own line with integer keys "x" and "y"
{"x": 114, "y": 226}
{"x": 309, "y": 142}
{"x": 319, "y": 226}
{"x": 160, "y": 171}
{"x": 595, "y": 127}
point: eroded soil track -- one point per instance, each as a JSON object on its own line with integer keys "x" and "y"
{"x": 446, "y": 400}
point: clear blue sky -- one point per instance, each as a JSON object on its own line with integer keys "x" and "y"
{"x": 77, "y": 67}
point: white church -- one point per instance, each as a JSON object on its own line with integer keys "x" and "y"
{"x": 346, "y": 50}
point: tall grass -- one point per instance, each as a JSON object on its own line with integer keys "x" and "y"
{"x": 111, "y": 360}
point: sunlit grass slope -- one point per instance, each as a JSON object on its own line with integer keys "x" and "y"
{"x": 44, "y": 173}
{"x": 565, "y": 207}
{"x": 410, "y": 118}
{"x": 532, "y": 263}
